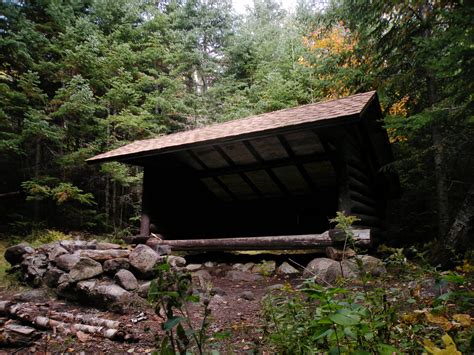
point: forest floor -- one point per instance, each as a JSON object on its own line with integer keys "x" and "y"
{"x": 230, "y": 313}
{"x": 409, "y": 286}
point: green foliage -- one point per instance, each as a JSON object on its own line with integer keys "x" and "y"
{"x": 315, "y": 318}
{"x": 60, "y": 193}
{"x": 170, "y": 294}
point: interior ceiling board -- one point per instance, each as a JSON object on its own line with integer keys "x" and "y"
{"x": 292, "y": 179}
{"x": 210, "y": 157}
{"x": 216, "y": 189}
{"x": 238, "y": 186}
{"x": 269, "y": 148}
{"x": 239, "y": 154}
{"x": 304, "y": 142}
{"x": 322, "y": 173}
{"x": 185, "y": 158}
{"x": 264, "y": 183}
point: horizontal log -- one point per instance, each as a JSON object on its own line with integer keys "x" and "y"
{"x": 368, "y": 220}
{"x": 357, "y": 167}
{"x": 356, "y": 196}
{"x": 307, "y": 241}
{"x": 359, "y": 207}
{"x": 136, "y": 239}
{"x": 358, "y": 175}
{"x": 359, "y": 187}
{"x": 9, "y": 194}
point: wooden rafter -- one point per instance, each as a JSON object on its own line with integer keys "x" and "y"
{"x": 268, "y": 170}
{"x": 244, "y": 177}
{"x": 215, "y": 178}
{"x": 263, "y": 165}
{"x": 298, "y": 164}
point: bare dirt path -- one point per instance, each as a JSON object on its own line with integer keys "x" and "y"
{"x": 235, "y": 311}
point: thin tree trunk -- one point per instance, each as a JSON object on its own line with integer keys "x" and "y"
{"x": 460, "y": 236}
{"x": 37, "y": 174}
{"x": 440, "y": 170}
{"x": 441, "y": 182}
{"x": 107, "y": 200}
{"x": 114, "y": 204}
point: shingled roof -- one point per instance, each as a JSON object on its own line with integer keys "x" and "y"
{"x": 318, "y": 113}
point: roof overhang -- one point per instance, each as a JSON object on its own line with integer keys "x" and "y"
{"x": 307, "y": 117}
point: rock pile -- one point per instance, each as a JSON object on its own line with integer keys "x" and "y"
{"x": 110, "y": 276}
{"x": 105, "y": 275}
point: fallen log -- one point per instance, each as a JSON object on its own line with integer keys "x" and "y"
{"x": 136, "y": 239}
{"x": 16, "y": 335}
{"x": 287, "y": 242}
{"x": 69, "y": 323}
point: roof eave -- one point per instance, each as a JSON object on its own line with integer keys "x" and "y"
{"x": 323, "y": 123}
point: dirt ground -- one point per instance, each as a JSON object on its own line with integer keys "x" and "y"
{"x": 231, "y": 313}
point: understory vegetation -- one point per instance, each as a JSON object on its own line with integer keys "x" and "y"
{"x": 374, "y": 316}
{"x": 386, "y": 315}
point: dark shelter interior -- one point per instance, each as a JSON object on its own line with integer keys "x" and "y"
{"x": 280, "y": 173}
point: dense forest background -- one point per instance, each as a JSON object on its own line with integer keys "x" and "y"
{"x": 79, "y": 77}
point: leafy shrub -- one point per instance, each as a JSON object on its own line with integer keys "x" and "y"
{"x": 170, "y": 293}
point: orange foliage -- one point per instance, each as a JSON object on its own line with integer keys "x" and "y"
{"x": 339, "y": 44}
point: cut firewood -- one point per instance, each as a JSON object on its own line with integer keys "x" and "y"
{"x": 13, "y": 334}
{"x": 64, "y": 322}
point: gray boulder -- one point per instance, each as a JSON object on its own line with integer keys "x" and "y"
{"x": 56, "y": 251}
{"x": 338, "y": 254}
{"x": 323, "y": 270}
{"x": 370, "y": 265}
{"x": 236, "y": 275}
{"x": 142, "y": 260}
{"x": 113, "y": 297}
{"x": 72, "y": 245}
{"x": 247, "y": 295}
{"x": 286, "y": 269}
{"x": 143, "y": 289}
{"x": 105, "y": 246}
{"x": 67, "y": 261}
{"x": 52, "y": 276}
{"x": 158, "y": 246}
{"x": 15, "y": 254}
{"x": 203, "y": 278}
{"x": 34, "y": 267}
{"x": 176, "y": 261}
{"x": 193, "y": 267}
{"x": 247, "y": 267}
{"x": 113, "y": 265}
{"x": 103, "y": 255}
{"x": 101, "y": 295}
{"x": 265, "y": 268}
{"x": 84, "y": 269}
{"x": 126, "y": 279}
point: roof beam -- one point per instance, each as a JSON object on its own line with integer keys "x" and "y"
{"x": 299, "y": 166}
{"x": 231, "y": 163}
{"x": 268, "y": 169}
{"x": 215, "y": 178}
{"x": 264, "y": 165}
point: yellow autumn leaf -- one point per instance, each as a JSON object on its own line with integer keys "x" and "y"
{"x": 449, "y": 347}
{"x": 463, "y": 319}
{"x": 439, "y": 320}
{"x": 410, "y": 318}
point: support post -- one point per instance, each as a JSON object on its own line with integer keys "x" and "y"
{"x": 146, "y": 204}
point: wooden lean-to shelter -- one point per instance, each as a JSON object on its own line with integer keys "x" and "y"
{"x": 257, "y": 179}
